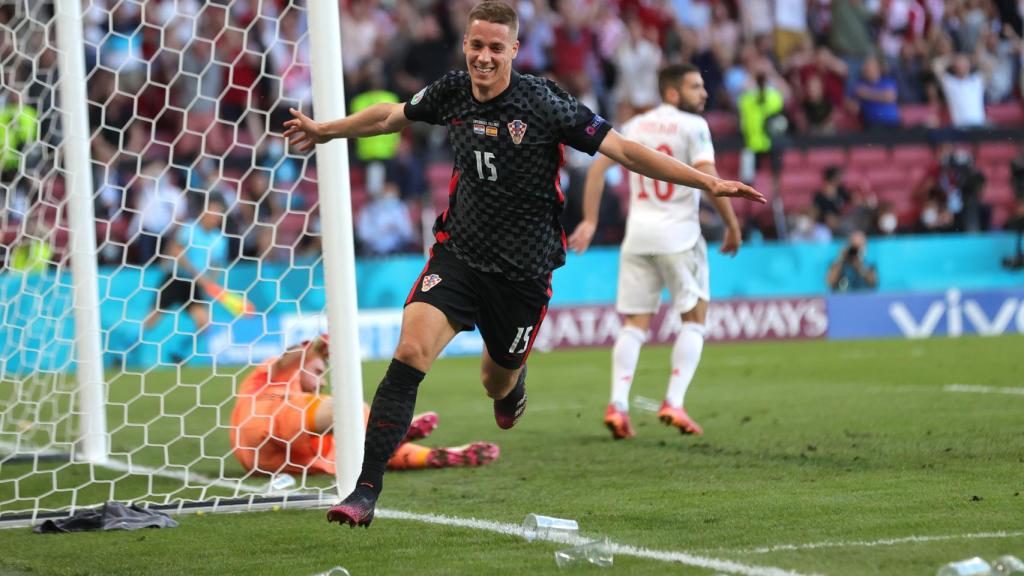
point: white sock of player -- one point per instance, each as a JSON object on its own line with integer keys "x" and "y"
{"x": 685, "y": 357}
{"x": 624, "y": 358}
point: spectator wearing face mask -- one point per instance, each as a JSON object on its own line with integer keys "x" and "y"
{"x": 886, "y": 222}
{"x": 935, "y": 216}
{"x": 808, "y": 227}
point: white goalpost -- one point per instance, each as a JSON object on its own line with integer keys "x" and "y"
{"x": 339, "y": 250}
{"x": 130, "y": 121}
{"x": 91, "y": 396}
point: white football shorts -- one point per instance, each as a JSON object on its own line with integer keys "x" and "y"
{"x": 642, "y": 277}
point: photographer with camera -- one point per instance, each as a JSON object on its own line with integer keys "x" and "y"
{"x": 849, "y": 272}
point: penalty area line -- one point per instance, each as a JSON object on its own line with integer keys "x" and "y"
{"x": 724, "y": 566}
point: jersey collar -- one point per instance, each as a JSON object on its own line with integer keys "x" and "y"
{"x": 511, "y": 84}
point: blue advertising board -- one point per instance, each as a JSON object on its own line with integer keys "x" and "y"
{"x": 950, "y": 313}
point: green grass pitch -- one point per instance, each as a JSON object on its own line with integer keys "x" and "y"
{"x": 851, "y": 443}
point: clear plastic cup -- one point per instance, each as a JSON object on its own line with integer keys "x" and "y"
{"x": 969, "y": 567}
{"x": 596, "y": 552}
{"x": 1008, "y": 566}
{"x": 336, "y": 571}
{"x": 536, "y": 526}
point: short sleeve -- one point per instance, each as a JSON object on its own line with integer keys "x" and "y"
{"x": 426, "y": 105}
{"x": 699, "y": 143}
{"x": 577, "y": 125}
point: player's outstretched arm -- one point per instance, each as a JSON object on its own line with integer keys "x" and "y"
{"x": 638, "y": 158}
{"x": 383, "y": 118}
{"x": 581, "y": 237}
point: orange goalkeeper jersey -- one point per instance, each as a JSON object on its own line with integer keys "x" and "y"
{"x": 271, "y": 425}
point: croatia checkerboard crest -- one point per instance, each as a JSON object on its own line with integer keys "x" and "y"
{"x": 517, "y": 129}
{"x": 430, "y": 281}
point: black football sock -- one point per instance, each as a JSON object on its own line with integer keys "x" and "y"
{"x": 390, "y": 416}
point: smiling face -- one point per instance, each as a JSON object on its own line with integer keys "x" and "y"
{"x": 490, "y": 49}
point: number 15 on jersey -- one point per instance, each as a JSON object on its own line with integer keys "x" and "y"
{"x": 485, "y": 160}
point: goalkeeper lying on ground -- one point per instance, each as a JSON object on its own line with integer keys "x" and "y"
{"x": 281, "y": 422}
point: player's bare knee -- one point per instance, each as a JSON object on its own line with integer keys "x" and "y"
{"x": 698, "y": 314}
{"x": 641, "y": 322}
{"x": 414, "y": 354}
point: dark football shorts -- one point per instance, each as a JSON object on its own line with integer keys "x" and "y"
{"x": 507, "y": 312}
{"x": 176, "y": 293}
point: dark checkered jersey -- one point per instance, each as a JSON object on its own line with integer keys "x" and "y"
{"x": 504, "y": 198}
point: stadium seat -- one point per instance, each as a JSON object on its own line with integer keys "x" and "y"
{"x": 793, "y": 160}
{"x": 893, "y": 180}
{"x": 823, "y": 157}
{"x": 998, "y": 192}
{"x": 1005, "y": 115}
{"x": 996, "y": 153}
{"x": 868, "y": 157}
{"x": 913, "y": 155}
{"x": 728, "y": 165}
{"x": 722, "y": 123}
{"x": 914, "y": 115}
{"x": 798, "y": 187}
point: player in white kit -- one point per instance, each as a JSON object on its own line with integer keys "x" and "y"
{"x": 663, "y": 247}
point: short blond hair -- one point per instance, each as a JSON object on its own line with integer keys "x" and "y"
{"x": 496, "y": 12}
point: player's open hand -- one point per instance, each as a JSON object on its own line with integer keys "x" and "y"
{"x": 733, "y": 189}
{"x": 581, "y": 237}
{"x": 303, "y": 132}
{"x": 732, "y": 241}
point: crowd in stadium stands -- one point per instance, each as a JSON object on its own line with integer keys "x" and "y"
{"x": 186, "y": 99}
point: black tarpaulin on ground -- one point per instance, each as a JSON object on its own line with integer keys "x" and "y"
{"x": 110, "y": 516}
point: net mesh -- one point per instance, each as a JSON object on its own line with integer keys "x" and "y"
{"x": 191, "y": 179}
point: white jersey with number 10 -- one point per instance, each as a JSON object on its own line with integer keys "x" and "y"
{"x": 663, "y": 217}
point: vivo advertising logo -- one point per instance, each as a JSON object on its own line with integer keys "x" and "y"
{"x": 953, "y": 313}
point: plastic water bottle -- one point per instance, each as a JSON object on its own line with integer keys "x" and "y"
{"x": 969, "y": 567}
{"x": 596, "y": 552}
{"x": 545, "y": 527}
{"x": 1008, "y": 566}
{"x": 282, "y": 482}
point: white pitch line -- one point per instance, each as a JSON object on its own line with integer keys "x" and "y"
{"x": 983, "y": 389}
{"x": 726, "y": 566}
{"x": 236, "y": 484}
{"x": 872, "y": 543}
{"x": 186, "y": 477}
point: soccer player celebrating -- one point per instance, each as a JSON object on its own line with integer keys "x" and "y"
{"x": 663, "y": 246}
{"x": 282, "y": 424}
{"x": 499, "y": 239}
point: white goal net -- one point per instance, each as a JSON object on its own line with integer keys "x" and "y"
{"x": 185, "y": 101}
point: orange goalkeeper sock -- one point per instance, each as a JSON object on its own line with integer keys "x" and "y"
{"x": 409, "y": 456}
